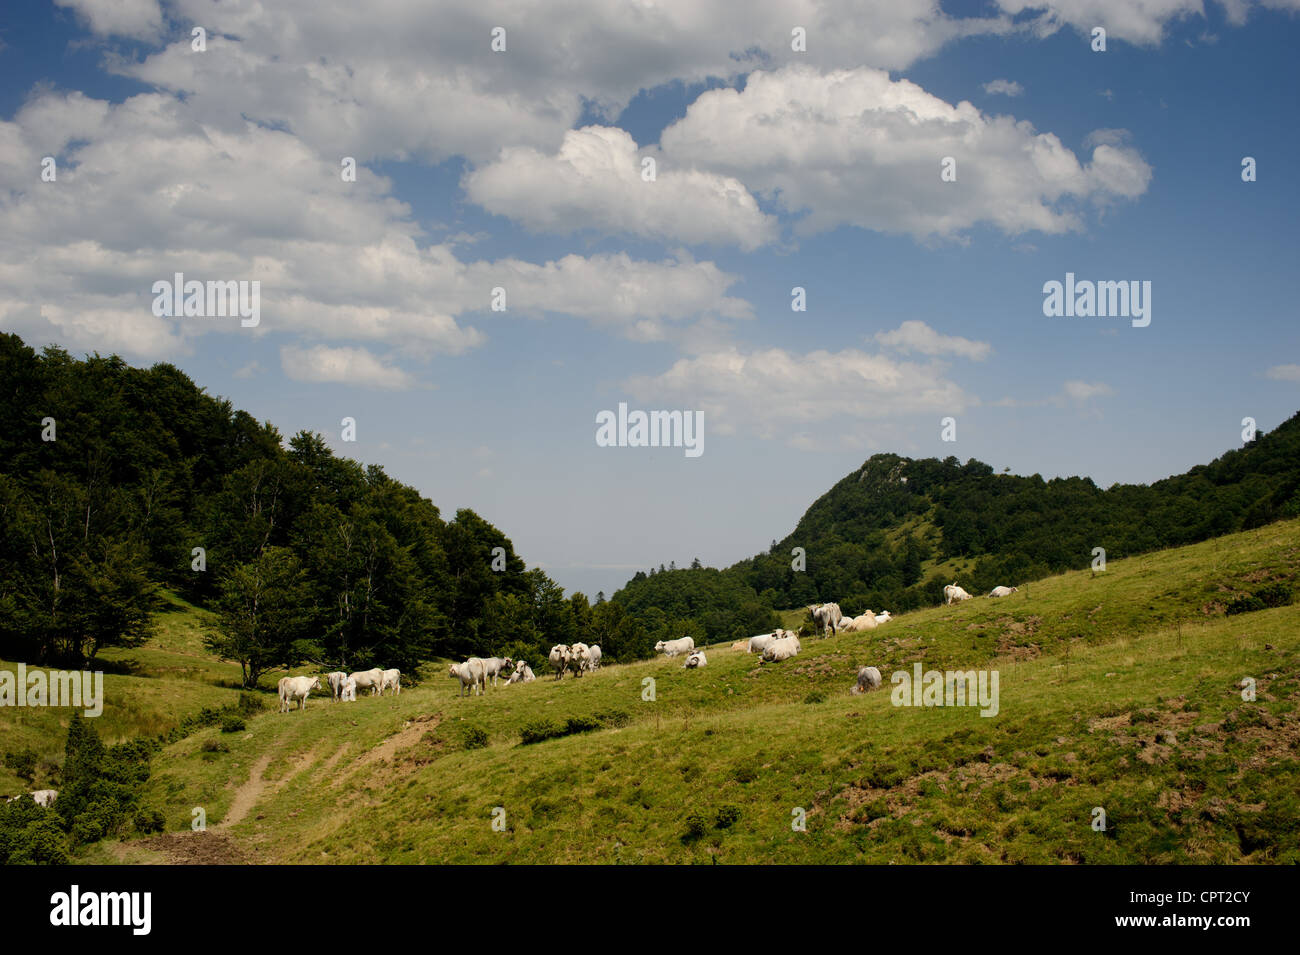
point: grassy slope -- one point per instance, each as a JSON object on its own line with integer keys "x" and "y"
{"x": 1097, "y": 672}
{"x": 147, "y": 690}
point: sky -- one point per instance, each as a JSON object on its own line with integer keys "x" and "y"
{"x": 920, "y": 170}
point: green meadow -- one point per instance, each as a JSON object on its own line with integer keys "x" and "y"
{"x": 1120, "y": 693}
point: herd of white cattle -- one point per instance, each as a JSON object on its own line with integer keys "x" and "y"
{"x": 475, "y": 673}
{"x": 343, "y": 686}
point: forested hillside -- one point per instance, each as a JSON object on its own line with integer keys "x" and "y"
{"x": 111, "y": 477}
{"x": 888, "y": 535}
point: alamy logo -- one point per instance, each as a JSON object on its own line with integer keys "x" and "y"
{"x": 53, "y": 688}
{"x": 75, "y": 907}
{"x": 946, "y": 688}
{"x": 654, "y": 429}
{"x": 1084, "y": 299}
{"x": 195, "y": 299}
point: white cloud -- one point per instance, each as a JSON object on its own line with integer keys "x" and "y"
{"x": 348, "y": 366}
{"x": 768, "y": 392}
{"x": 594, "y": 181}
{"x": 1003, "y": 88}
{"x": 402, "y": 83}
{"x": 129, "y": 18}
{"x": 1284, "y": 373}
{"x": 144, "y": 190}
{"x": 853, "y": 147}
{"x": 1085, "y": 391}
{"x": 1138, "y": 21}
{"x": 916, "y": 336}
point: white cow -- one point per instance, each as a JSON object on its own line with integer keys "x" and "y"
{"x": 866, "y": 621}
{"x": 372, "y": 680}
{"x": 523, "y": 673}
{"x": 884, "y": 617}
{"x": 472, "y": 675}
{"x": 952, "y": 594}
{"x": 868, "y": 679}
{"x": 1003, "y": 591}
{"x": 348, "y": 694}
{"x": 826, "y": 616}
{"x": 393, "y": 680}
{"x": 45, "y": 797}
{"x": 580, "y": 657}
{"x": 782, "y": 649}
{"x": 695, "y": 659}
{"x": 759, "y": 643}
{"x": 673, "y": 648}
{"x": 296, "y": 688}
{"x": 336, "y": 681}
{"x": 593, "y": 656}
{"x": 559, "y": 659}
{"x": 493, "y": 667}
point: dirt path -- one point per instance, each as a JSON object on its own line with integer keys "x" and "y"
{"x": 247, "y": 795}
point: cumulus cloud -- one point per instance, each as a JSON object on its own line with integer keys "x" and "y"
{"x": 407, "y": 84}
{"x": 347, "y": 366}
{"x": 145, "y": 190}
{"x": 1003, "y": 88}
{"x": 916, "y": 336}
{"x": 1138, "y": 21}
{"x": 595, "y": 181}
{"x": 774, "y": 393}
{"x": 1284, "y": 373}
{"x": 853, "y": 147}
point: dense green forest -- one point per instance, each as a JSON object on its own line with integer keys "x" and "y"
{"x": 116, "y": 481}
{"x": 875, "y": 539}
{"x": 112, "y": 478}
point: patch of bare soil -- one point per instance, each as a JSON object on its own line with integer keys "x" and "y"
{"x": 410, "y": 734}
{"x": 195, "y": 848}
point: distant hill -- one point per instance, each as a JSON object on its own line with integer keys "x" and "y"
{"x": 891, "y": 533}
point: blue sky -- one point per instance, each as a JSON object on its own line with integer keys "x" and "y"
{"x": 775, "y": 169}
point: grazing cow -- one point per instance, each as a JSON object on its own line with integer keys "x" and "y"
{"x": 672, "y": 648}
{"x": 372, "y": 680}
{"x": 393, "y": 679}
{"x": 826, "y": 616}
{"x": 952, "y": 594}
{"x": 759, "y": 643}
{"x": 560, "y": 659}
{"x": 349, "y": 692}
{"x": 883, "y": 617}
{"x": 494, "y": 667}
{"x": 523, "y": 673}
{"x": 1003, "y": 591}
{"x": 580, "y": 657}
{"x": 593, "y": 656}
{"x": 694, "y": 660}
{"x": 868, "y": 679}
{"x": 471, "y": 674}
{"x": 336, "y": 681}
{"x": 782, "y": 649}
{"x": 296, "y": 688}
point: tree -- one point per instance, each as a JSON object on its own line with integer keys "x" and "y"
{"x": 263, "y": 610}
